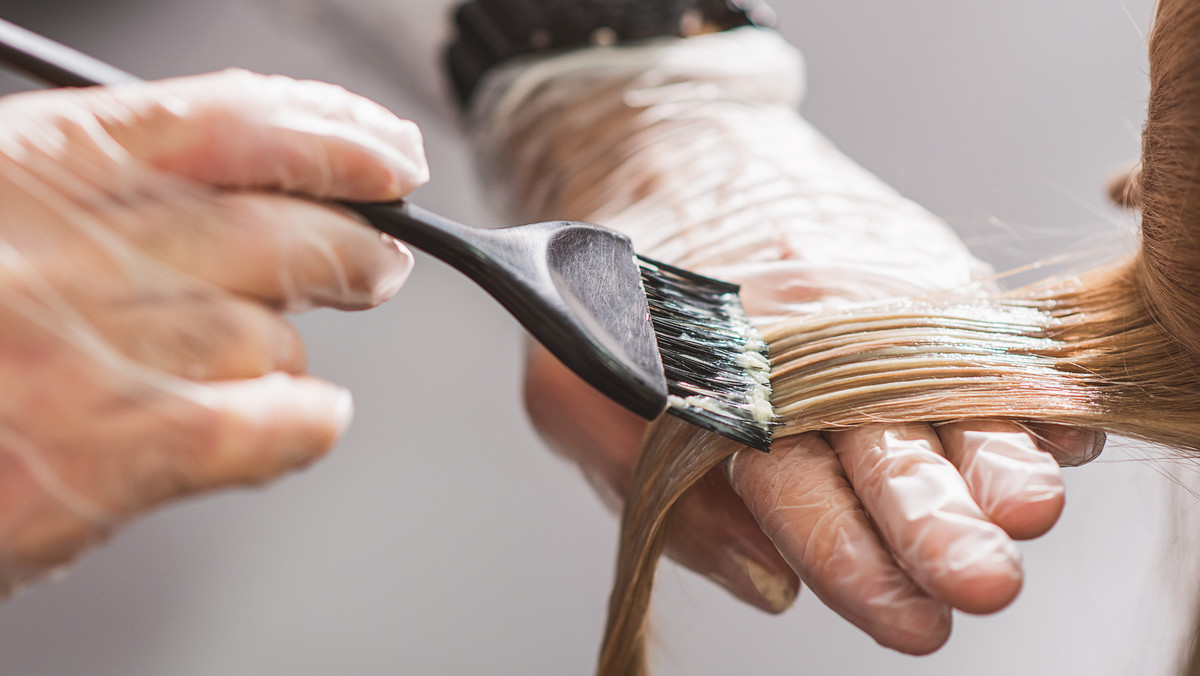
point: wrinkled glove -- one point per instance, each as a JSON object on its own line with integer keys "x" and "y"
{"x": 693, "y": 147}
{"x": 150, "y": 236}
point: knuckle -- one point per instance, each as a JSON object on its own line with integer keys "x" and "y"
{"x": 326, "y": 88}
{"x": 200, "y": 346}
{"x": 165, "y": 479}
{"x": 217, "y": 338}
{"x": 241, "y": 78}
{"x": 236, "y": 95}
{"x": 225, "y": 452}
{"x": 410, "y": 131}
{"x": 173, "y": 466}
{"x": 323, "y": 97}
{"x": 220, "y": 93}
{"x": 237, "y": 73}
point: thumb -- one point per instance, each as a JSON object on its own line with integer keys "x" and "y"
{"x": 255, "y": 430}
{"x": 244, "y": 130}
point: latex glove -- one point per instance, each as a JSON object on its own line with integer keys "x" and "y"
{"x": 694, "y": 149}
{"x": 149, "y": 235}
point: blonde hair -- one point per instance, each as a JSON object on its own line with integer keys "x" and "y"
{"x": 1116, "y": 348}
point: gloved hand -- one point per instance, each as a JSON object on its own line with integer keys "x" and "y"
{"x": 150, "y": 236}
{"x": 694, "y": 149}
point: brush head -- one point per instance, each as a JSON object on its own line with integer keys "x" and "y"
{"x": 677, "y": 341}
{"x": 718, "y": 373}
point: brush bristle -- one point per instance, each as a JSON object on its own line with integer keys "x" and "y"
{"x": 718, "y": 374}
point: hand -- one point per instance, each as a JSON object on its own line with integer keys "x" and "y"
{"x": 694, "y": 149}
{"x": 891, "y": 526}
{"x": 150, "y": 235}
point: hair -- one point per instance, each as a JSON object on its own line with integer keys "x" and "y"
{"x": 1116, "y": 348}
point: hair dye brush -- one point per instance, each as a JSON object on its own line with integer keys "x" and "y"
{"x": 651, "y": 337}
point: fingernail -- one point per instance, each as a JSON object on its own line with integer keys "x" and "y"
{"x": 406, "y": 175}
{"x": 1071, "y": 449}
{"x": 1097, "y": 446}
{"x": 390, "y": 283}
{"x": 776, "y": 590}
{"x": 406, "y": 153}
{"x": 754, "y": 583}
{"x": 727, "y": 465}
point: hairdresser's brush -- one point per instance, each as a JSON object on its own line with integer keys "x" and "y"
{"x": 648, "y": 335}
{"x": 651, "y": 337}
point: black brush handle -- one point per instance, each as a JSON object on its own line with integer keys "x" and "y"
{"x": 490, "y": 257}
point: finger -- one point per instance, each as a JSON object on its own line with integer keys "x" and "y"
{"x": 200, "y": 336}
{"x": 803, "y": 502}
{"x": 247, "y": 432}
{"x": 159, "y": 318}
{"x": 1070, "y": 446}
{"x": 1016, "y": 484}
{"x": 712, "y": 532}
{"x": 245, "y": 130}
{"x": 285, "y": 251}
{"x": 927, "y": 516}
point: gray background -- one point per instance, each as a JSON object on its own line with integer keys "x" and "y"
{"x": 441, "y": 538}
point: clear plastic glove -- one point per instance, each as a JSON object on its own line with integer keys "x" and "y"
{"x": 693, "y": 147}
{"x": 150, "y": 235}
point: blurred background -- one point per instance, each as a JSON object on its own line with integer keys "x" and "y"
{"x": 442, "y": 538}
